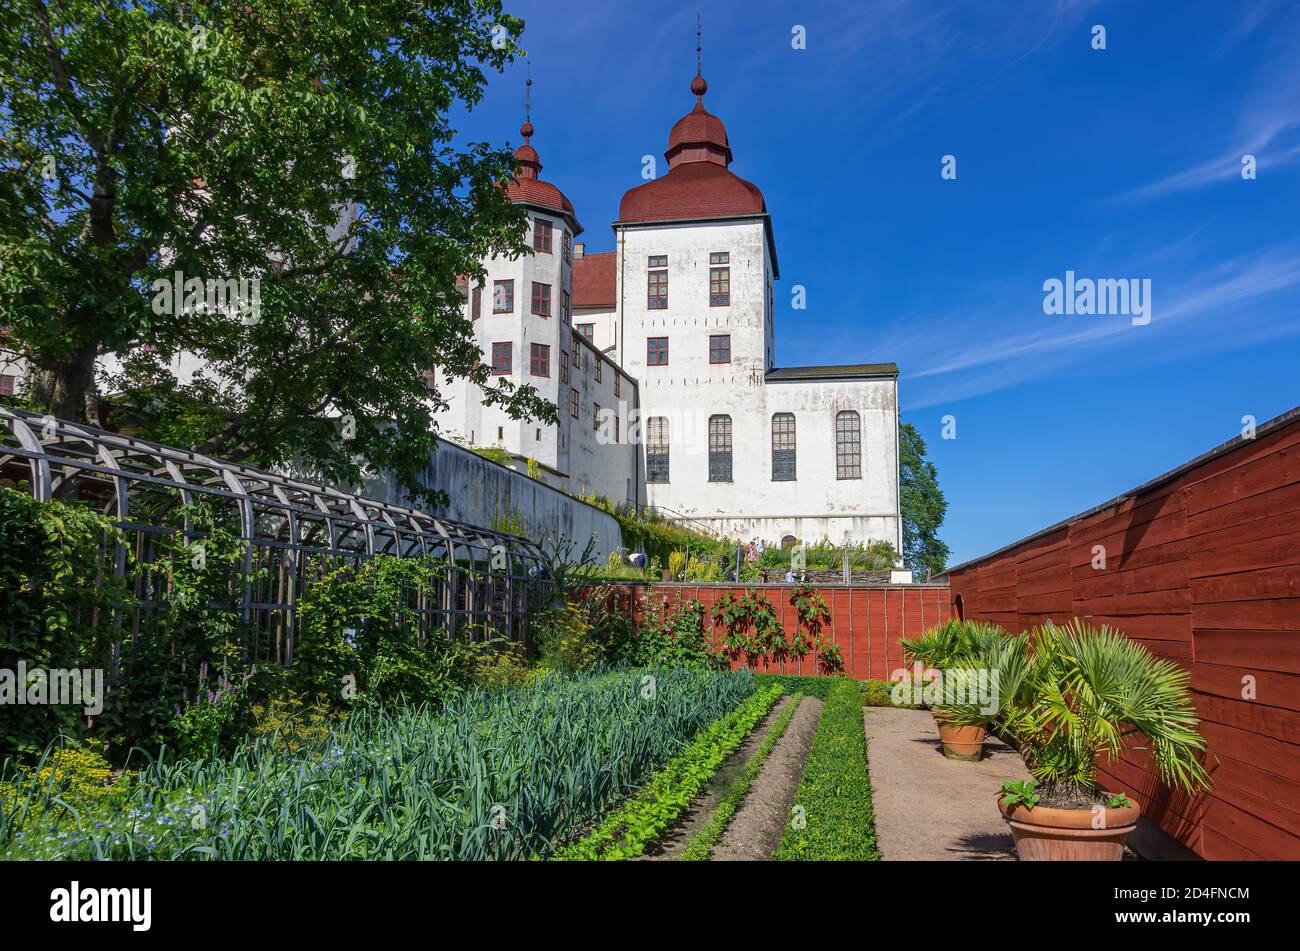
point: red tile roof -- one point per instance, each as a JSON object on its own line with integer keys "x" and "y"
{"x": 594, "y": 280}
{"x": 692, "y": 190}
{"x": 698, "y": 183}
{"x": 528, "y": 188}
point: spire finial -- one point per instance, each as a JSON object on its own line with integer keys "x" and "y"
{"x": 526, "y": 130}
{"x": 698, "y": 85}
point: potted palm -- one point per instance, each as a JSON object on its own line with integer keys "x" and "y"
{"x": 979, "y": 691}
{"x": 1084, "y": 694}
{"x": 955, "y": 646}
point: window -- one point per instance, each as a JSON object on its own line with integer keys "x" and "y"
{"x": 8, "y": 384}
{"x": 542, "y": 230}
{"x": 598, "y": 363}
{"x": 848, "y": 445}
{"x": 564, "y": 367}
{"x": 657, "y": 282}
{"x": 503, "y": 297}
{"x": 719, "y": 448}
{"x": 539, "y": 359}
{"x": 616, "y": 434}
{"x": 656, "y": 449}
{"x": 577, "y": 356}
{"x": 573, "y": 403}
{"x": 719, "y": 280}
{"x": 720, "y": 348}
{"x": 566, "y": 246}
{"x": 587, "y": 330}
{"x": 476, "y": 302}
{"x": 501, "y": 354}
{"x": 656, "y": 352}
{"x": 595, "y": 416}
{"x": 566, "y": 306}
{"x": 783, "y": 447}
{"x": 541, "y": 299}
{"x": 616, "y": 386}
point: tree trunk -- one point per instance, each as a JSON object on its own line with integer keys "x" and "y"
{"x": 67, "y": 389}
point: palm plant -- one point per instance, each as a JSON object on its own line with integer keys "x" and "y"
{"x": 952, "y": 643}
{"x": 987, "y": 687}
{"x": 1085, "y": 692}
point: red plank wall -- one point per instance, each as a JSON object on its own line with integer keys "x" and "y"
{"x": 1203, "y": 567}
{"x": 866, "y": 620}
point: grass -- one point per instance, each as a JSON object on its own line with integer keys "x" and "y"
{"x": 697, "y": 850}
{"x": 832, "y": 819}
{"x": 875, "y": 693}
{"x": 497, "y": 774}
{"x": 647, "y": 815}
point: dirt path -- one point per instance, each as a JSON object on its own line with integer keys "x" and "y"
{"x": 671, "y": 845}
{"x": 756, "y": 828}
{"x": 928, "y": 806}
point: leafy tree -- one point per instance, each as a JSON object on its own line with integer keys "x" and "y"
{"x": 303, "y": 145}
{"x": 923, "y": 504}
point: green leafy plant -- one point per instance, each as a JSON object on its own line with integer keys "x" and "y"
{"x": 951, "y": 643}
{"x": 1021, "y": 792}
{"x": 752, "y": 628}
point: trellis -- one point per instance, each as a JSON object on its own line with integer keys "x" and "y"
{"x": 293, "y": 531}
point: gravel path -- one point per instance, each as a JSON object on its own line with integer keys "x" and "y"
{"x": 756, "y": 828}
{"x": 928, "y": 806}
{"x": 672, "y": 843}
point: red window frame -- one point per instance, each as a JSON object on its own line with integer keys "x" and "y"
{"x": 543, "y": 234}
{"x": 719, "y": 348}
{"x": 656, "y": 351}
{"x": 541, "y": 299}
{"x": 539, "y": 359}
{"x": 502, "y": 358}
{"x": 503, "y": 291}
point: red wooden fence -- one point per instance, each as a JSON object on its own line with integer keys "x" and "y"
{"x": 866, "y": 620}
{"x": 1202, "y": 565}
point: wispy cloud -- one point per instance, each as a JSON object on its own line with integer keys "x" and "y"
{"x": 1267, "y": 123}
{"x": 1012, "y": 345}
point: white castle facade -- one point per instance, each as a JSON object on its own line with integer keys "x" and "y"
{"x": 661, "y": 357}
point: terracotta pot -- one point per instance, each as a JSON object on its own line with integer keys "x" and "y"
{"x": 1046, "y": 834}
{"x": 961, "y": 742}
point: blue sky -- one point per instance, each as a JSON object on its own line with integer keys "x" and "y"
{"x": 1115, "y": 163}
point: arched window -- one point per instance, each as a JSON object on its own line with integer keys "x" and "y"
{"x": 719, "y": 448}
{"x": 848, "y": 445}
{"x": 783, "y": 447}
{"x": 656, "y": 449}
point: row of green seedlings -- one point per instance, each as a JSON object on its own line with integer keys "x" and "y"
{"x": 832, "y": 819}
{"x": 701, "y": 844}
{"x": 644, "y": 817}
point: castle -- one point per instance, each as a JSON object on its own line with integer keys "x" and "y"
{"x": 661, "y": 357}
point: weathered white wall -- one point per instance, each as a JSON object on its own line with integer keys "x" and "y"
{"x": 482, "y": 493}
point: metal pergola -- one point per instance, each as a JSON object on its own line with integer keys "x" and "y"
{"x": 294, "y": 531}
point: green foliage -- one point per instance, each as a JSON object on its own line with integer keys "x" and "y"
{"x": 752, "y": 628}
{"x": 626, "y": 832}
{"x": 824, "y": 555}
{"x": 290, "y": 723}
{"x": 669, "y": 634}
{"x": 358, "y": 628}
{"x": 1020, "y": 793}
{"x": 697, "y": 849}
{"x": 498, "y": 454}
{"x": 56, "y": 605}
{"x": 811, "y": 615}
{"x": 832, "y": 818}
{"x": 495, "y": 774}
{"x": 566, "y": 639}
{"x": 221, "y": 140}
{"x": 215, "y": 720}
{"x": 1086, "y": 692}
{"x": 66, "y": 779}
{"x": 509, "y": 522}
{"x": 921, "y": 504}
{"x": 951, "y": 643}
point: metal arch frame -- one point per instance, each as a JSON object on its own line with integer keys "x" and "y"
{"x": 63, "y": 457}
